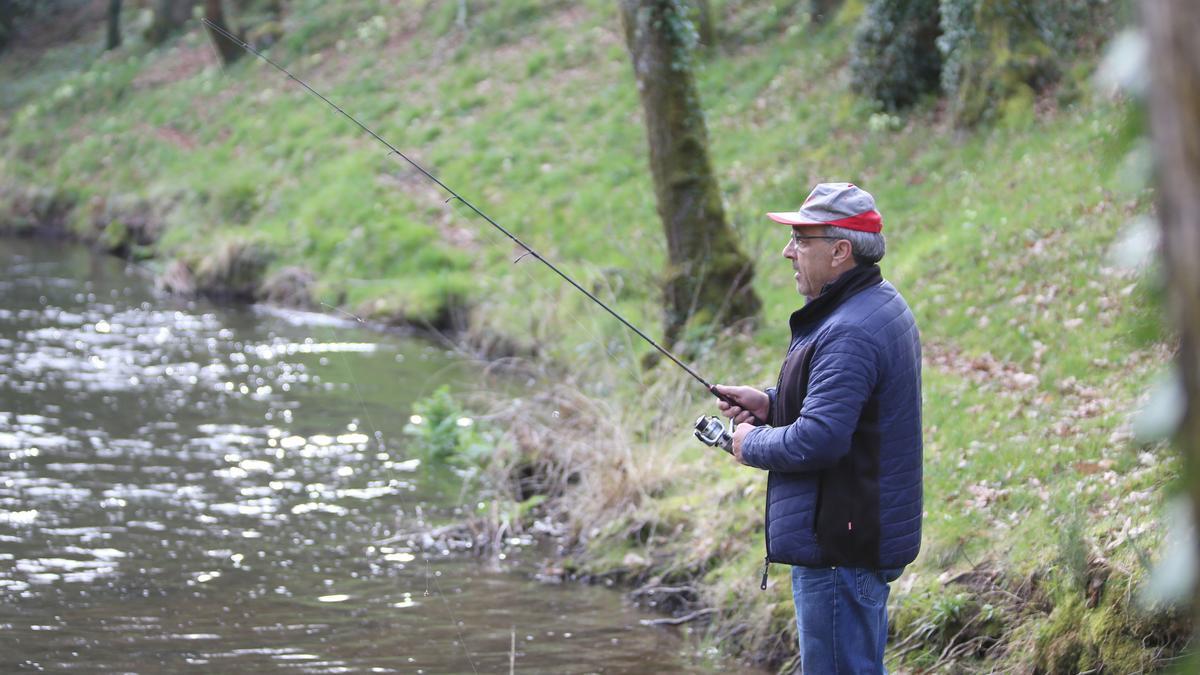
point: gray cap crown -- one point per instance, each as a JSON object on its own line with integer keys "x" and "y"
{"x": 836, "y": 204}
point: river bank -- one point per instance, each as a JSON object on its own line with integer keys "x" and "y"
{"x": 1040, "y": 505}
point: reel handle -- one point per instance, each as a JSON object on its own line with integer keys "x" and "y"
{"x": 713, "y": 433}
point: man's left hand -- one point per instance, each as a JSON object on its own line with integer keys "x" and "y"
{"x": 739, "y": 434}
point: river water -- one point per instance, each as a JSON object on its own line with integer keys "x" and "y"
{"x": 186, "y": 486}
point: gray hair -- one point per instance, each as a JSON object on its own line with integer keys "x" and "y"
{"x": 868, "y": 247}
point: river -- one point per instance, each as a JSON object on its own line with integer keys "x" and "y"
{"x": 191, "y": 486}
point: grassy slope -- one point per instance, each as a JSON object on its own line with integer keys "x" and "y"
{"x": 997, "y": 239}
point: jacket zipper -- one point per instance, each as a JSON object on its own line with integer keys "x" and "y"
{"x": 766, "y": 537}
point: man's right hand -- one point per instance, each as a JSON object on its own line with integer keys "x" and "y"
{"x": 748, "y": 402}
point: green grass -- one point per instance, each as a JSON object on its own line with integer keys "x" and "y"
{"x": 1036, "y": 348}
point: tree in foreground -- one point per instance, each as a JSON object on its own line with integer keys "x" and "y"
{"x": 1171, "y": 29}
{"x": 708, "y": 276}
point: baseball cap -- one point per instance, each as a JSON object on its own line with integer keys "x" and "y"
{"x": 837, "y": 205}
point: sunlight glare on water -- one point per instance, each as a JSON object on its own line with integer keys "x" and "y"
{"x": 183, "y": 484}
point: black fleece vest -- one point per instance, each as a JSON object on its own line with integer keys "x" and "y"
{"x": 847, "y": 515}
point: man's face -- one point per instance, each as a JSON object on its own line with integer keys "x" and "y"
{"x": 812, "y": 259}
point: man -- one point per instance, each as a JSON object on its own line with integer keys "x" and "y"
{"x": 842, "y": 434}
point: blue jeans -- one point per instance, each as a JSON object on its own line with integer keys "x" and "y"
{"x": 841, "y": 616}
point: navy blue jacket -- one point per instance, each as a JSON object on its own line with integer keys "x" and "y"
{"x": 844, "y": 446}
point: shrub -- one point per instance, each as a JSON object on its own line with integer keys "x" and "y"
{"x": 444, "y": 431}
{"x": 998, "y": 51}
{"x": 895, "y": 58}
{"x": 989, "y": 57}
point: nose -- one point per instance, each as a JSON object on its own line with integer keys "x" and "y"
{"x": 789, "y": 251}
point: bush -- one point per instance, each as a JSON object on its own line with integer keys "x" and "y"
{"x": 989, "y": 57}
{"x": 446, "y": 432}
{"x": 995, "y": 52}
{"x": 895, "y": 58}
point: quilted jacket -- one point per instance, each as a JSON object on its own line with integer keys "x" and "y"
{"x": 843, "y": 446}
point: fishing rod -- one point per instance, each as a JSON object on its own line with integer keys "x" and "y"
{"x": 708, "y": 429}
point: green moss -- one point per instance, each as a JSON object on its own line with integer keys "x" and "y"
{"x": 233, "y": 266}
{"x": 999, "y": 54}
{"x": 115, "y": 236}
{"x": 1075, "y": 639}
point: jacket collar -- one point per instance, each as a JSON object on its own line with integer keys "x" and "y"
{"x": 833, "y": 294}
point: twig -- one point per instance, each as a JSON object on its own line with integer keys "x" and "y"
{"x": 921, "y": 631}
{"x": 951, "y": 645}
{"x": 675, "y": 621}
{"x": 650, "y": 590}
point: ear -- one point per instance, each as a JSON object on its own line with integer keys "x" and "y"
{"x": 842, "y": 251}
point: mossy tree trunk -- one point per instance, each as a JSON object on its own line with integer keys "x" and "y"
{"x": 114, "y": 25}
{"x": 708, "y": 278}
{"x": 1172, "y": 27}
{"x": 821, "y": 11}
{"x": 996, "y": 57}
{"x": 9, "y": 12}
{"x": 704, "y": 23}
{"x": 228, "y": 50}
{"x": 1000, "y": 54}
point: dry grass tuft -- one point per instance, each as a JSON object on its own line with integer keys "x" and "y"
{"x": 289, "y": 287}
{"x": 234, "y": 268}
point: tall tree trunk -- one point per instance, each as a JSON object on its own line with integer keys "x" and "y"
{"x": 8, "y": 16}
{"x": 821, "y": 11}
{"x": 704, "y": 24}
{"x": 708, "y": 277}
{"x": 114, "y": 25}
{"x": 229, "y": 51}
{"x": 1172, "y": 27}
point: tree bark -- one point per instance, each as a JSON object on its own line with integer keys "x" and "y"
{"x": 8, "y": 16}
{"x": 1172, "y": 27}
{"x": 228, "y": 50}
{"x": 114, "y": 25}
{"x": 704, "y": 24}
{"x": 821, "y": 11}
{"x": 708, "y": 277}
{"x": 169, "y": 16}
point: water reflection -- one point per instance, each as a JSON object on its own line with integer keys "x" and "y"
{"x": 184, "y": 485}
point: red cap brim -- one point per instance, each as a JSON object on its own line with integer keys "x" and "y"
{"x": 870, "y": 221}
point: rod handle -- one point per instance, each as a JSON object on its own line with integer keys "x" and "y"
{"x": 712, "y": 389}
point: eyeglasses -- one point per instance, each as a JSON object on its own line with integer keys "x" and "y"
{"x": 797, "y": 238}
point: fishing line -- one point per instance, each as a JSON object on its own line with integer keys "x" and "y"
{"x": 601, "y": 341}
{"x": 456, "y": 196}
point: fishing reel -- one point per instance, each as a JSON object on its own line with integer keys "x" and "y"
{"x": 712, "y": 432}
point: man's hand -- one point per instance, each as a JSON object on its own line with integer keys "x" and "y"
{"x": 739, "y": 434}
{"x": 747, "y": 402}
